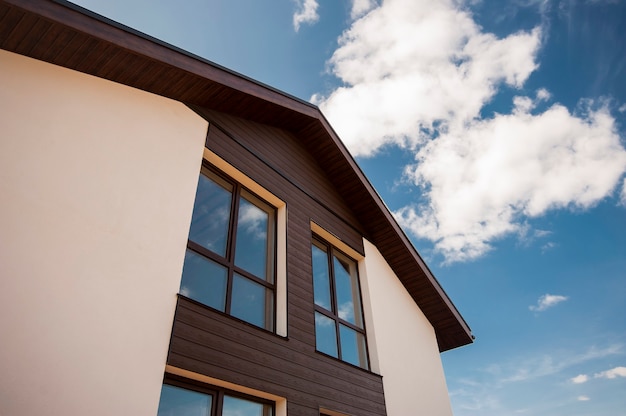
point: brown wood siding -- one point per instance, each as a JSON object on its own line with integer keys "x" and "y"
{"x": 219, "y": 346}
{"x": 277, "y": 161}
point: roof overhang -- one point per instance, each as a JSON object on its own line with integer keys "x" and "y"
{"x": 67, "y": 35}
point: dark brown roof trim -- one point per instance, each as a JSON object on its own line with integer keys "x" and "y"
{"x": 64, "y": 34}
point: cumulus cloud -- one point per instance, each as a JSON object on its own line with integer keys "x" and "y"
{"x": 409, "y": 65}
{"x": 306, "y": 12}
{"x": 579, "y": 379}
{"x": 583, "y": 398}
{"x": 417, "y": 74}
{"x": 547, "y": 301}
{"x": 623, "y": 195}
{"x": 612, "y": 373}
{"x": 361, "y": 7}
{"x": 507, "y": 168}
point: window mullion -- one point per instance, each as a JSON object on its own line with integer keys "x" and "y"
{"x": 330, "y": 252}
{"x": 232, "y": 237}
{"x": 350, "y": 325}
{"x": 219, "y": 404}
{"x": 253, "y": 278}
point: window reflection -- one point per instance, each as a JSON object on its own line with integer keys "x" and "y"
{"x": 211, "y": 213}
{"x": 249, "y": 302}
{"x": 321, "y": 278}
{"x": 339, "y": 327}
{"x": 229, "y": 264}
{"x": 235, "y": 406}
{"x": 352, "y": 346}
{"x": 179, "y": 401}
{"x": 204, "y": 280}
{"x": 325, "y": 335}
{"x": 176, "y": 401}
{"x": 347, "y": 287}
{"x": 254, "y": 232}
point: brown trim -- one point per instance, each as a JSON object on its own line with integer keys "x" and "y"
{"x": 216, "y": 392}
{"x": 228, "y": 259}
{"x": 333, "y": 314}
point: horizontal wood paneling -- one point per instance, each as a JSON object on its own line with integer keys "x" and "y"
{"x": 210, "y": 343}
{"x": 270, "y": 156}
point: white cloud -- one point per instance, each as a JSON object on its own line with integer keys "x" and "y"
{"x": 361, "y": 7}
{"x": 542, "y": 233}
{"x": 623, "y": 195}
{"x": 416, "y": 74}
{"x": 306, "y": 13}
{"x": 509, "y": 168}
{"x": 579, "y": 379}
{"x": 550, "y": 245}
{"x": 481, "y": 394}
{"x": 547, "y": 301}
{"x": 410, "y": 64}
{"x": 613, "y": 373}
{"x": 546, "y": 364}
{"x": 583, "y": 398}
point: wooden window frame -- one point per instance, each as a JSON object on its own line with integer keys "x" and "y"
{"x": 228, "y": 260}
{"x": 334, "y": 312}
{"x": 216, "y": 392}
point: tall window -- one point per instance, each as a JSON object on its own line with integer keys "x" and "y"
{"x": 339, "y": 327}
{"x": 178, "y": 400}
{"x": 230, "y": 259}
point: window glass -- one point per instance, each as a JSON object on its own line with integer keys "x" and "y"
{"x": 235, "y": 406}
{"x": 208, "y": 401}
{"x": 339, "y": 326}
{"x": 176, "y": 401}
{"x": 325, "y": 335}
{"x": 204, "y": 280}
{"x": 321, "y": 278}
{"x": 249, "y": 302}
{"x": 253, "y": 236}
{"x": 211, "y": 213}
{"x": 352, "y": 346}
{"x": 229, "y": 264}
{"x": 347, "y": 287}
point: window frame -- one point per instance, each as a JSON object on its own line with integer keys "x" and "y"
{"x": 228, "y": 261}
{"x": 331, "y": 249}
{"x": 216, "y": 392}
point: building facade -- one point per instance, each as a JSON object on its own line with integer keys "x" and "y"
{"x": 176, "y": 236}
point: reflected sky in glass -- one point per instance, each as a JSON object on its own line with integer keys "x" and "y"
{"x": 211, "y": 214}
{"x": 321, "y": 278}
{"x": 176, "y": 401}
{"x": 325, "y": 335}
{"x": 251, "y": 253}
{"x": 204, "y": 280}
{"x": 249, "y": 302}
{"x": 347, "y": 289}
{"x": 352, "y": 347}
{"x": 234, "y": 406}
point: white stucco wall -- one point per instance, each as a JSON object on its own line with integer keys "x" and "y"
{"x": 97, "y": 184}
{"x": 402, "y": 343}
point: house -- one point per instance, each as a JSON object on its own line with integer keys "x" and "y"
{"x": 172, "y": 232}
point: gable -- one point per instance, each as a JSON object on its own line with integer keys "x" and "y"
{"x": 69, "y": 36}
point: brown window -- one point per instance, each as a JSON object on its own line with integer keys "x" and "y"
{"x": 180, "y": 398}
{"x": 339, "y": 326}
{"x": 230, "y": 259}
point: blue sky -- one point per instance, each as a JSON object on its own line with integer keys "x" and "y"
{"x": 495, "y": 131}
